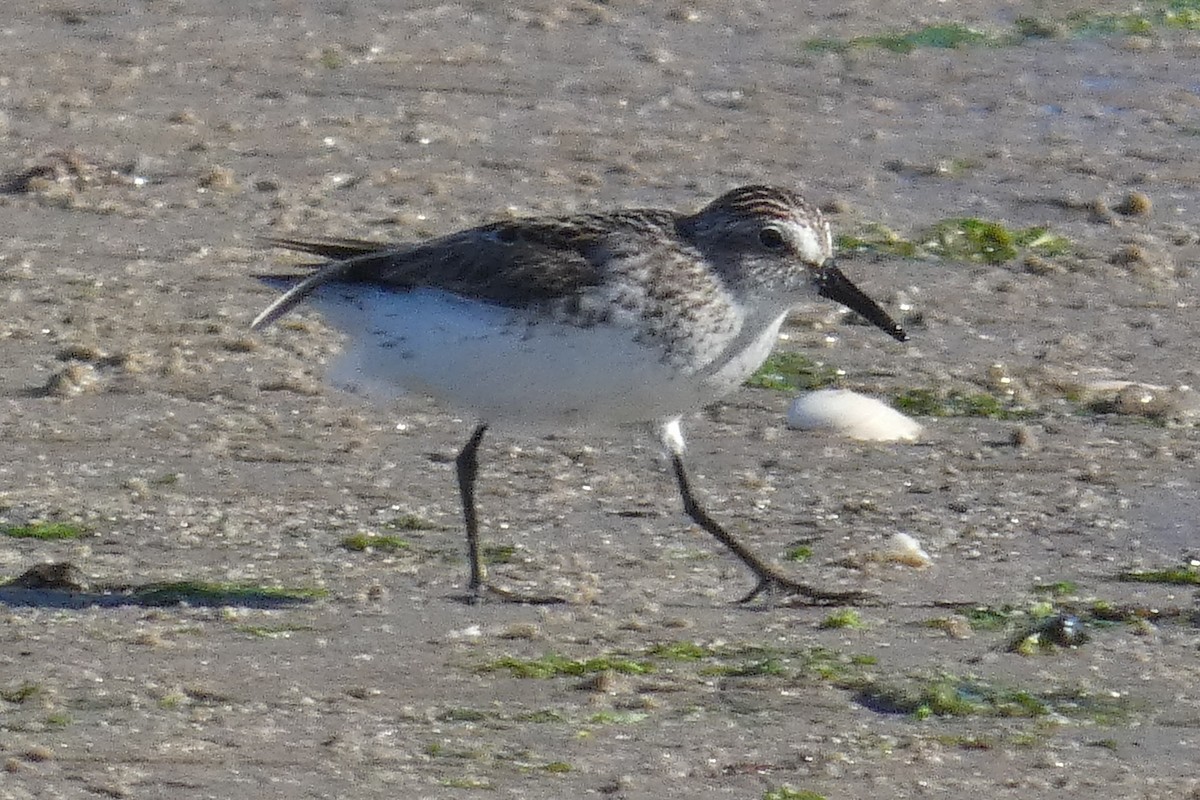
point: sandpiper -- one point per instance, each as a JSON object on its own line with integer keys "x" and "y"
{"x": 632, "y": 316}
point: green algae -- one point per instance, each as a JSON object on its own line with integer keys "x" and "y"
{"x": 935, "y": 403}
{"x": 552, "y": 665}
{"x": 786, "y": 371}
{"x": 44, "y": 531}
{"x": 360, "y": 542}
{"x": 216, "y": 593}
{"x": 1144, "y": 20}
{"x": 1185, "y": 575}
{"x": 843, "y": 618}
{"x": 964, "y": 239}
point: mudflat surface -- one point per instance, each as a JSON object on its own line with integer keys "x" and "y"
{"x": 147, "y": 146}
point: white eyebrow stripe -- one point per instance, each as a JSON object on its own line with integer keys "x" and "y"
{"x": 810, "y": 246}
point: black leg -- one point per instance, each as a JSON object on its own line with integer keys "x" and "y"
{"x": 770, "y": 580}
{"x": 467, "y": 465}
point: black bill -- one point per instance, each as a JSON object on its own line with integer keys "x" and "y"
{"x": 831, "y": 283}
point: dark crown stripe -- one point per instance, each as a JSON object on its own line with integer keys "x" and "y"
{"x": 767, "y": 201}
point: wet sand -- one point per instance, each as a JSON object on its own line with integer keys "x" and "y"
{"x": 148, "y": 147}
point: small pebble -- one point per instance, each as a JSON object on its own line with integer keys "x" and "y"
{"x": 1025, "y": 438}
{"x": 1135, "y": 204}
{"x": 80, "y": 352}
{"x": 73, "y": 379}
{"x": 956, "y": 626}
{"x": 1036, "y": 265}
{"x": 219, "y": 179}
{"x": 1100, "y": 212}
{"x": 39, "y": 753}
{"x": 522, "y": 630}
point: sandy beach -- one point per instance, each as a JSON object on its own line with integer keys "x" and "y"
{"x": 264, "y": 600}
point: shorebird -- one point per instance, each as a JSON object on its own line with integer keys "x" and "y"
{"x": 636, "y": 316}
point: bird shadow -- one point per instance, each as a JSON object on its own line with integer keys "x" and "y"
{"x": 61, "y": 585}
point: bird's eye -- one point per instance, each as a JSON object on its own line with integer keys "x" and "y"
{"x": 771, "y": 238}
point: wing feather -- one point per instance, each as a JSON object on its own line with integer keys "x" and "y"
{"x": 516, "y": 263}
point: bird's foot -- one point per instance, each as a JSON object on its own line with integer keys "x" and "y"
{"x": 773, "y": 585}
{"x": 485, "y": 592}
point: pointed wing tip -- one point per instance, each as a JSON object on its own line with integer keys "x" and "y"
{"x": 281, "y": 304}
{"x": 341, "y": 256}
{"x": 270, "y": 314}
{"x": 263, "y": 320}
{"x": 331, "y": 249}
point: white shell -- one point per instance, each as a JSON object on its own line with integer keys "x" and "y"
{"x": 905, "y": 549}
{"x": 851, "y": 414}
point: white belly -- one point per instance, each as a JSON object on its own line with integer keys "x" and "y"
{"x": 503, "y": 364}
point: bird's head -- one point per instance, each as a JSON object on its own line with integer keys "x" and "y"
{"x": 767, "y": 240}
